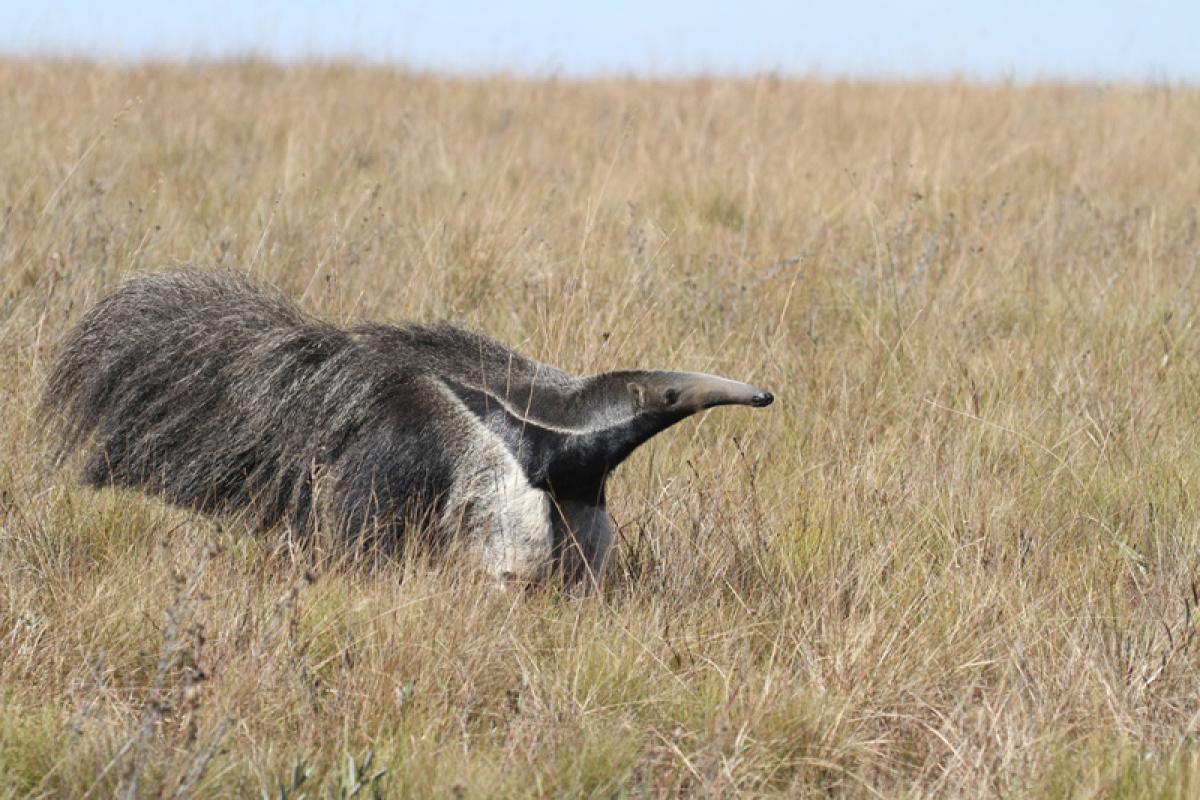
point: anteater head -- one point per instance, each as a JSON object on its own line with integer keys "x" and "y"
{"x": 625, "y": 409}
{"x": 681, "y": 394}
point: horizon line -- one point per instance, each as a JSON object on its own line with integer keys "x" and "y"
{"x": 559, "y": 73}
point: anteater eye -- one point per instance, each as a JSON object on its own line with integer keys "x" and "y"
{"x": 670, "y": 396}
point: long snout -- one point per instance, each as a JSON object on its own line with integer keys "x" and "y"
{"x": 705, "y": 391}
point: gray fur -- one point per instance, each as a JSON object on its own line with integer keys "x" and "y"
{"x": 220, "y": 395}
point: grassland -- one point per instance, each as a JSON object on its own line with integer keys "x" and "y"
{"x": 958, "y": 557}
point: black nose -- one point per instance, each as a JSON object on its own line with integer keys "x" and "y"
{"x": 762, "y": 399}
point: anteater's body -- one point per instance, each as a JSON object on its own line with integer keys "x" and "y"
{"x": 222, "y": 396}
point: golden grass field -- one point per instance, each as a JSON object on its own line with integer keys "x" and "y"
{"x": 960, "y": 556}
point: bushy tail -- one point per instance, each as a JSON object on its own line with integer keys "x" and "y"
{"x": 184, "y": 383}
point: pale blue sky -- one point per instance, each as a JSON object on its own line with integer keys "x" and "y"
{"x": 1155, "y": 40}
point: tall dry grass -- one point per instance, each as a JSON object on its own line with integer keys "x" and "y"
{"x": 957, "y": 558}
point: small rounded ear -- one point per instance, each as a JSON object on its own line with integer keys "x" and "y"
{"x": 637, "y": 393}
